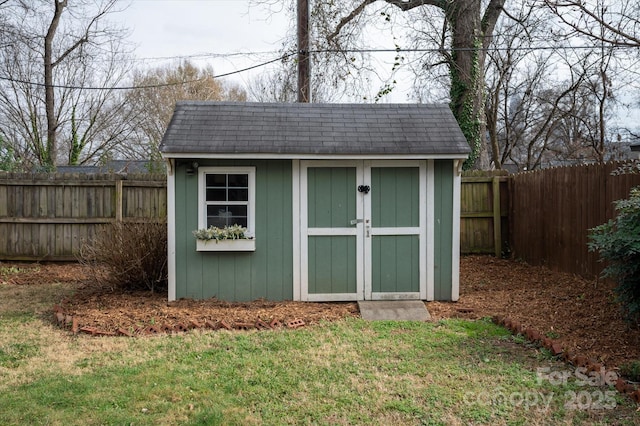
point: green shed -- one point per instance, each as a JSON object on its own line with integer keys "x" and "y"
{"x": 342, "y": 201}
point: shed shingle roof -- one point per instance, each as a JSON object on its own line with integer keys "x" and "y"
{"x": 318, "y": 129}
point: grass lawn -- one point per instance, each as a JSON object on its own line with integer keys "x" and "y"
{"x": 345, "y": 372}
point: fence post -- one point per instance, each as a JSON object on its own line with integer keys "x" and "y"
{"x": 497, "y": 218}
{"x": 118, "y": 200}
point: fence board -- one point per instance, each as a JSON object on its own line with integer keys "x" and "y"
{"x": 553, "y": 210}
{"x": 49, "y": 216}
{"x": 484, "y": 211}
{"x": 542, "y": 216}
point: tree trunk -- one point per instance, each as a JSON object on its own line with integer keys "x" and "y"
{"x": 463, "y": 18}
{"x": 471, "y": 35}
{"x": 472, "y": 32}
{"x": 50, "y": 155}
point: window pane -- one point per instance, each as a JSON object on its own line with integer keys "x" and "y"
{"x": 216, "y": 195}
{"x": 218, "y": 222}
{"x": 242, "y": 221}
{"x": 222, "y": 192}
{"x": 238, "y": 181}
{"x": 216, "y": 180}
{"x": 221, "y": 222}
{"x": 218, "y": 215}
{"x": 223, "y": 215}
{"x": 238, "y": 194}
{"x": 237, "y": 210}
{"x": 218, "y": 210}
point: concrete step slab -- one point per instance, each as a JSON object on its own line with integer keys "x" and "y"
{"x": 395, "y": 310}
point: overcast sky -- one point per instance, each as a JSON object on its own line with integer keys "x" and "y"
{"x": 179, "y": 28}
{"x": 195, "y": 28}
{"x": 171, "y": 28}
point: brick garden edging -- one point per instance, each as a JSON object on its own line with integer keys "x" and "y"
{"x": 622, "y": 386}
{"x": 67, "y": 321}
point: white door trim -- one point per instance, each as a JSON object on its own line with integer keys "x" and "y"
{"x": 360, "y": 230}
{"x": 305, "y": 232}
{"x": 430, "y": 231}
{"x": 420, "y": 231}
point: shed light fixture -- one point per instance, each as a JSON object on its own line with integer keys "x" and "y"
{"x": 192, "y": 168}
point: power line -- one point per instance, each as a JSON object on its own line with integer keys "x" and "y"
{"x": 149, "y": 86}
{"x": 214, "y": 55}
{"x": 204, "y": 55}
{"x": 288, "y": 55}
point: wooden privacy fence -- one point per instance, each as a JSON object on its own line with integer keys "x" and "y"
{"x": 484, "y": 208}
{"x": 49, "y": 216}
{"x": 553, "y": 210}
{"x": 541, "y": 217}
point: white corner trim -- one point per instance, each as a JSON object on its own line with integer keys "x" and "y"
{"x": 171, "y": 234}
{"x": 455, "y": 242}
{"x": 295, "y": 201}
{"x": 302, "y": 232}
{"x": 171, "y": 166}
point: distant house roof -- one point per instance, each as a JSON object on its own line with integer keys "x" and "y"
{"x": 115, "y": 166}
{"x": 319, "y": 129}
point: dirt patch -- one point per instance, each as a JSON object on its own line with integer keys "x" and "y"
{"x": 581, "y": 314}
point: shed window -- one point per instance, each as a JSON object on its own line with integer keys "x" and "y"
{"x": 227, "y": 197}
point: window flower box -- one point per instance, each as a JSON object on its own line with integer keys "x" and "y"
{"x": 226, "y": 245}
{"x": 229, "y": 238}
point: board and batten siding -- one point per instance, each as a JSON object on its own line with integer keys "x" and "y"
{"x": 395, "y": 203}
{"x": 266, "y": 272}
{"x": 443, "y": 229}
{"x": 331, "y": 204}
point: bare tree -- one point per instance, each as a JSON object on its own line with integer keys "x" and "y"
{"x": 536, "y": 122}
{"x": 280, "y": 85}
{"x": 465, "y": 34}
{"x": 59, "y": 67}
{"x": 153, "y": 101}
{"x": 613, "y": 22}
{"x": 549, "y": 102}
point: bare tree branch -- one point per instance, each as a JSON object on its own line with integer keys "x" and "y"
{"x": 489, "y": 20}
{"x": 625, "y": 38}
{"x": 350, "y": 17}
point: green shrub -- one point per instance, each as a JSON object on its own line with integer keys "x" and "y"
{"x": 631, "y": 370}
{"x": 618, "y": 242}
{"x": 129, "y": 256}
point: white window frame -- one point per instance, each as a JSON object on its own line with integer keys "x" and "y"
{"x": 202, "y": 202}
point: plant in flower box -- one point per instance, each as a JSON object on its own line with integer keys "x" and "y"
{"x": 229, "y": 238}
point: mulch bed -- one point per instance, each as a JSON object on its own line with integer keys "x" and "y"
{"x": 578, "y": 313}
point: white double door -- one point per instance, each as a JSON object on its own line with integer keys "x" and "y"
{"x": 363, "y": 227}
